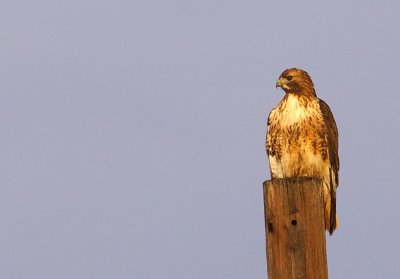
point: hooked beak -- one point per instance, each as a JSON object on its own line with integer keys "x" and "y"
{"x": 278, "y": 83}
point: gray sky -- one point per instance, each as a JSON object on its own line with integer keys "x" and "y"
{"x": 132, "y": 133}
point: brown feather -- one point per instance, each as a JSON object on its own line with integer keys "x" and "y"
{"x": 302, "y": 138}
{"x": 333, "y": 148}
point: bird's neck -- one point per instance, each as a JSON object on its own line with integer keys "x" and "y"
{"x": 306, "y": 90}
{"x": 296, "y": 108}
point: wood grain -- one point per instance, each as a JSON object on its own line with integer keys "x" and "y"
{"x": 295, "y": 229}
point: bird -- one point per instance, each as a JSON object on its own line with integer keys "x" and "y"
{"x": 302, "y": 139}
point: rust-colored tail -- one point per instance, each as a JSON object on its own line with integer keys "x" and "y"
{"x": 331, "y": 218}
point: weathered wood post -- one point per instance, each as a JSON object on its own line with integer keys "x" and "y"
{"x": 294, "y": 228}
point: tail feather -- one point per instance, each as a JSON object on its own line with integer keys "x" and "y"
{"x": 331, "y": 218}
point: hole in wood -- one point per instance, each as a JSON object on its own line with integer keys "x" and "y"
{"x": 294, "y": 222}
{"x": 270, "y": 227}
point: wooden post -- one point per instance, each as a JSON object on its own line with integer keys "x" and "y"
{"x": 295, "y": 230}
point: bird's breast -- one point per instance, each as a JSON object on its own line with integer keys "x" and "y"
{"x": 296, "y": 136}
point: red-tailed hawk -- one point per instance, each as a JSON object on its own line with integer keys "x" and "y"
{"x": 302, "y": 138}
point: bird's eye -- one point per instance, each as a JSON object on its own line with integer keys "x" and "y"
{"x": 289, "y": 78}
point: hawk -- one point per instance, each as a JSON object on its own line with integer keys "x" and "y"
{"x": 302, "y": 138}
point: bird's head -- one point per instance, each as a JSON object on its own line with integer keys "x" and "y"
{"x": 296, "y": 81}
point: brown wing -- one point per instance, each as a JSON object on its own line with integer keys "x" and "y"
{"x": 332, "y": 138}
{"x": 270, "y": 148}
{"x": 333, "y": 145}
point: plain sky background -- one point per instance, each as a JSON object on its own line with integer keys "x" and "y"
{"x": 132, "y": 133}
